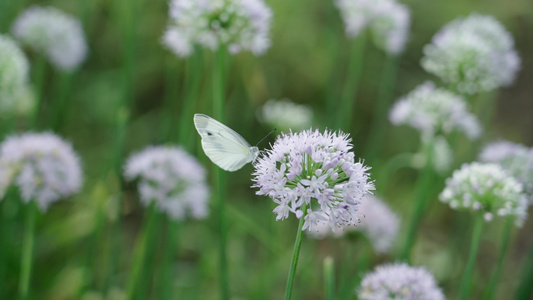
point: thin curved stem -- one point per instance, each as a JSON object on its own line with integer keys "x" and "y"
{"x": 295, "y": 255}
{"x": 27, "y": 251}
{"x": 476, "y": 238}
{"x": 501, "y": 258}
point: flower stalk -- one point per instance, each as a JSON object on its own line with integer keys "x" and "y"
{"x": 476, "y": 238}
{"x": 27, "y": 251}
{"x": 295, "y": 255}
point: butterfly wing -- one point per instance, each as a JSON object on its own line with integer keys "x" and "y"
{"x": 225, "y": 147}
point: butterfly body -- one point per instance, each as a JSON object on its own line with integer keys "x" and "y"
{"x": 224, "y": 147}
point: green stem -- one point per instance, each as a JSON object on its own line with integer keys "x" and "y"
{"x": 379, "y": 121}
{"x": 501, "y": 258}
{"x": 348, "y": 97}
{"x": 61, "y": 101}
{"x": 329, "y": 278}
{"x": 168, "y": 263}
{"x": 295, "y": 254}
{"x": 141, "y": 249}
{"x": 219, "y": 176}
{"x": 422, "y": 190}
{"x": 525, "y": 289}
{"x": 467, "y": 275}
{"x": 192, "y": 89}
{"x": 38, "y": 81}
{"x": 27, "y": 250}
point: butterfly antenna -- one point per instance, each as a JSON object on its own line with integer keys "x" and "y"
{"x": 266, "y": 136}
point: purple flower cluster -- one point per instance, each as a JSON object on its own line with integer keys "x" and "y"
{"x": 313, "y": 175}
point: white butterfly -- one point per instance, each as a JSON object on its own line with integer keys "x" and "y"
{"x": 225, "y": 147}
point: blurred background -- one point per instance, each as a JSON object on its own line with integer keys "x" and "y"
{"x": 129, "y": 75}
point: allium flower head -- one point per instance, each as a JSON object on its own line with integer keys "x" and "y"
{"x": 487, "y": 189}
{"x": 472, "y": 54}
{"x": 42, "y": 165}
{"x": 441, "y": 156}
{"x": 239, "y": 25}
{"x": 387, "y": 19}
{"x": 171, "y": 178}
{"x": 314, "y": 170}
{"x": 435, "y": 111}
{"x": 15, "y": 93}
{"x": 57, "y": 35}
{"x": 399, "y": 281}
{"x": 515, "y": 159}
{"x": 286, "y": 115}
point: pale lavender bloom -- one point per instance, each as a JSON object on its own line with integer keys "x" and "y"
{"x": 57, "y": 35}
{"x": 515, "y": 158}
{"x": 239, "y": 25}
{"x": 435, "y": 111}
{"x": 377, "y": 222}
{"x": 399, "y": 281}
{"x": 285, "y": 115}
{"x": 44, "y": 167}
{"x": 473, "y": 54}
{"x": 171, "y": 178}
{"x": 387, "y": 19}
{"x": 487, "y": 189}
{"x": 315, "y": 169}
{"x": 15, "y": 92}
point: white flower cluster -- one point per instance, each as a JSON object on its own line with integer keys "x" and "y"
{"x": 57, "y": 35}
{"x": 435, "y": 111}
{"x": 286, "y": 115}
{"x": 15, "y": 91}
{"x": 239, "y": 25}
{"x": 485, "y": 188}
{"x": 171, "y": 178}
{"x": 378, "y": 223}
{"x": 399, "y": 281}
{"x": 515, "y": 159}
{"x": 44, "y": 167}
{"x": 472, "y": 54}
{"x": 314, "y": 170}
{"x": 387, "y": 19}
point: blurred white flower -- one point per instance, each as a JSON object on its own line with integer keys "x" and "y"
{"x": 515, "y": 159}
{"x": 44, "y": 167}
{"x": 172, "y": 178}
{"x": 435, "y": 111}
{"x": 487, "y": 189}
{"x": 399, "y": 281}
{"x": 55, "y": 34}
{"x": 377, "y": 222}
{"x": 472, "y": 54}
{"x": 239, "y": 25}
{"x": 442, "y": 156}
{"x": 314, "y": 170}
{"x": 15, "y": 93}
{"x": 387, "y": 19}
{"x": 285, "y": 115}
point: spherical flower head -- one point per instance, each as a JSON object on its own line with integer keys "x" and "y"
{"x": 171, "y": 178}
{"x": 15, "y": 93}
{"x": 239, "y": 25}
{"x": 473, "y": 55}
{"x": 313, "y": 170}
{"x": 485, "y": 188}
{"x": 388, "y": 20}
{"x": 515, "y": 159}
{"x": 55, "y": 34}
{"x": 435, "y": 111}
{"x": 44, "y": 167}
{"x": 399, "y": 281}
{"x": 379, "y": 223}
{"x": 285, "y": 115}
